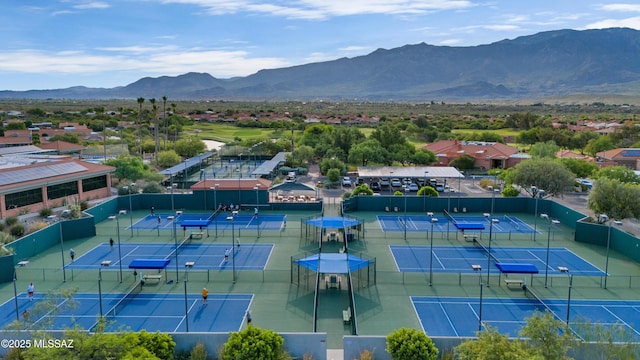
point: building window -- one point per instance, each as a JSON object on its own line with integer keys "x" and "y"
{"x": 23, "y": 198}
{"x": 94, "y": 183}
{"x": 62, "y": 190}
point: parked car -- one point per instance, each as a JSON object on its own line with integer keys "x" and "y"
{"x": 346, "y": 181}
{"x": 439, "y": 187}
{"x": 359, "y": 181}
{"x": 384, "y": 182}
{"x": 396, "y": 182}
{"x": 375, "y": 186}
{"x": 413, "y": 187}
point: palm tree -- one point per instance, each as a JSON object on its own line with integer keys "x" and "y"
{"x": 155, "y": 126}
{"x": 140, "y": 101}
{"x": 173, "y": 111}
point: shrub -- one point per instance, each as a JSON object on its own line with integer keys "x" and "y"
{"x": 253, "y": 343}
{"x": 6, "y": 238}
{"x": 84, "y": 205}
{"x": 153, "y": 188}
{"x": 37, "y": 226}
{"x": 510, "y": 191}
{"x": 44, "y": 212}
{"x": 410, "y": 344}
{"x": 366, "y": 355}
{"x": 199, "y": 352}
{"x": 10, "y": 221}
{"x": 17, "y": 230}
{"x": 485, "y": 183}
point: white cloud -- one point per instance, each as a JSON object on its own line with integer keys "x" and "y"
{"x": 450, "y": 42}
{"x": 620, "y": 7}
{"x": 92, "y": 5}
{"x": 354, "y": 48}
{"x": 169, "y": 61}
{"x": 322, "y": 9}
{"x": 633, "y": 23}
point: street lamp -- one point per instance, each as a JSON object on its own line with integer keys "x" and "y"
{"x": 478, "y": 269}
{"x": 406, "y": 190}
{"x": 546, "y": 264}
{"x": 603, "y": 219}
{"x": 433, "y": 221}
{"x": 64, "y": 271}
{"x": 564, "y": 269}
{"x": 492, "y": 221}
{"x": 233, "y": 248}
{"x": 424, "y": 194}
{"x": 256, "y": 188}
{"x": 215, "y": 204}
{"x": 188, "y": 265}
{"x": 130, "y": 206}
{"x": 119, "y": 248}
{"x": 537, "y": 193}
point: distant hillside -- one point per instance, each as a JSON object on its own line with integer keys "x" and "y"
{"x": 554, "y": 63}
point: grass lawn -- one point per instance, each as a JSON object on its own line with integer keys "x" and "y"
{"x": 226, "y": 133}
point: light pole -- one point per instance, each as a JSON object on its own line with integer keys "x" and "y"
{"x": 603, "y": 219}
{"x": 546, "y": 264}
{"x": 390, "y": 187}
{"x": 406, "y": 190}
{"x": 424, "y": 199}
{"x": 478, "y": 269}
{"x": 256, "y": 188}
{"x": 537, "y": 193}
{"x": 130, "y": 207}
{"x": 492, "y": 221}
{"x": 64, "y": 270}
{"x": 233, "y": 248}
{"x": 188, "y": 265}
{"x": 433, "y": 221}
{"x": 215, "y": 204}
{"x": 563, "y": 269}
{"x": 493, "y": 196}
{"x": 119, "y": 248}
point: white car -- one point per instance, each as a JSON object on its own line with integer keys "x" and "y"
{"x": 346, "y": 181}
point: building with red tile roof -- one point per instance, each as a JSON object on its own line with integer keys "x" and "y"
{"x": 488, "y": 155}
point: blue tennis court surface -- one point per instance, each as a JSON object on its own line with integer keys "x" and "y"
{"x": 421, "y": 223}
{"x": 153, "y": 312}
{"x": 205, "y": 256}
{"x": 208, "y": 221}
{"x": 451, "y": 316}
{"x": 460, "y": 258}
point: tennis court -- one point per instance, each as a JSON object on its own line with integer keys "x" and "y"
{"x": 458, "y": 316}
{"x": 417, "y": 223}
{"x": 459, "y": 259}
{"x": 212, "y": 221}
{"x": 205, "y": 256}
{"x": 133, "y": 310}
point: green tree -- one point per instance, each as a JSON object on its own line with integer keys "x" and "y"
{"x": 463, "y": 162}
{"x": 333, "y": 175}
{"x": 363, "y": 189}
{"x": 410, "y": 344}
{"x": 614, "y": 341}
{"x": 547, "y": 336}
{"x": 424, "y": 157}
{"x": 253, "y": 343}
{"x": 491, "y": 345}
{"x": 510, "y": 191}
{"x": 128, "y": 167}
{"x": 620, "y": 173}
{"x": 428, "y": 191}
{"x": 579, "y": 167}
{"x": 67, "y": 137}
{"x": 367, "y": 151}
{"x": 602, "y": 143}
{"x": 168, "y": 158}
{"x": 544, "y": 149}
{"x": 546, "y": 174}
{"x": 617, "y": 200}
{"x": 189, "y": 147}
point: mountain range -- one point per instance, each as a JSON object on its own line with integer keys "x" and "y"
{"x": 547, "y": 64}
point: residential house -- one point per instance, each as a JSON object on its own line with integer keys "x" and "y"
{"x": 488, "y": 155}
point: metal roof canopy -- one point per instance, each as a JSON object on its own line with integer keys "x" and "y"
{"x": 186, "y": 164}
{"x": 269, "y": 166}
{"x": 292, "y": 187}
{"x": 409, "y": 171}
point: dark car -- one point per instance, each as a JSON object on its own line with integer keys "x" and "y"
{"x": 375, "y": 186}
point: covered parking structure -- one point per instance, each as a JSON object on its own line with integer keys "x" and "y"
{"x": 292, "y": 192}
{"x": 418, "y": 173}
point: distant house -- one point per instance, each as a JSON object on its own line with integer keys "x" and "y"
{"x": 628, "y": 157}
{"x": 488, "y": 155}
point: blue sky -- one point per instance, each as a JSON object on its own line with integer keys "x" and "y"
{"x": 49, "y": 44}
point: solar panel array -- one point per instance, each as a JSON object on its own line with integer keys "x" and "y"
{"x": 21, "y": 175}
{"x": 631, "y": 153}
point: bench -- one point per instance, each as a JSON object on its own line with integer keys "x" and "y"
{"x": 152, "y": 277}
{"x": 197, "y": 235}
{"x": 346, "y": 315}
{"x": 122, "y": 212}
{"x": 470, "y": 238}
{"x": 112, "y": 217}
{"x": 519, "y": 282}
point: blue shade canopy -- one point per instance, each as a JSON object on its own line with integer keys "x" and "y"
{"x": 333, "y": 263}
{"x": 333, "y": 222}
{"x": 517, "y": 268}
{"x": 149, "y": 264}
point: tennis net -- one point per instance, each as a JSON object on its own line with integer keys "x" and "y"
{"x": 513, "y": 222}
{"x": 180, "y": 245}
{"x": 486, "y": 251}
{"x": 214, "y": 216}
{"x": 122, "y": 302}
{"x": 451, "y": 219}
{"x": 534, "y": 296}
